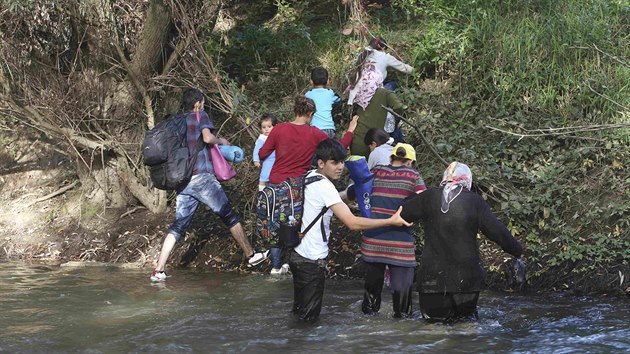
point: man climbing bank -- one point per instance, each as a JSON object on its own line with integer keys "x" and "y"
{"x": 203, "y": 187}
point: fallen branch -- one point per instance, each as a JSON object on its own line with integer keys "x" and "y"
{"x": 426, "y": 141}
{"x": 607, "y": 98}
{"x": 129, "y": 212}
{"x": 565, "y": 131}
{"x": 56, "y": 193}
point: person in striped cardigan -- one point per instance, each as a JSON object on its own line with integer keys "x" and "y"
{"x": 391, "y": 246}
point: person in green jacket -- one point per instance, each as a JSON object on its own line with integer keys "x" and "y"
{"x": 373, "y": 116}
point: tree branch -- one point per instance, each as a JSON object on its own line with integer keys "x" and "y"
{"x": 55, "y": 193}
{"x": 563, "y": 131}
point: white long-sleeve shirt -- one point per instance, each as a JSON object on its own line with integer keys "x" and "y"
{"x": 382, "y": 61}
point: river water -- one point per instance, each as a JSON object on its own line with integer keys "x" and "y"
{"x": 104, "y": 309}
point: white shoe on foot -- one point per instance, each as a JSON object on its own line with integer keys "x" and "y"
{"x": 258, "y": 258}
{"x": 158, "y": 276}
{"x": 284, "y": 269}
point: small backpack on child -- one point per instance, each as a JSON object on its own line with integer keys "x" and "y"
{"x": 279, "y": 209}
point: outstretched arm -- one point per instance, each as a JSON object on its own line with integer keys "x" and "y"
{"x": 496, "y": 231}
{"x": 346, "y": 140}
{"x": 353, "y": 222}
{"x": 398, "y": 65}
{"x": 210, "y": 138}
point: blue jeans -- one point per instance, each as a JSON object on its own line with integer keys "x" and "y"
{"x": 329, "y": 132}
{"x": 275, "y": 254}
{"x": 391, "y": 85}
{"x": 206, "y": 189}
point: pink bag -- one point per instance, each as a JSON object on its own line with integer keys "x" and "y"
{"x": 222, "y": 169}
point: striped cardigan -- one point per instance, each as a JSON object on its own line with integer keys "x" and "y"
{"x": 391, "y": 245}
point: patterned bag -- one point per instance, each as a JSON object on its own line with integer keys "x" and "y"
{"x": 279, "y": 204}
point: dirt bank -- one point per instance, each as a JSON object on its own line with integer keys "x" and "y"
{"x": 46, "y": 215}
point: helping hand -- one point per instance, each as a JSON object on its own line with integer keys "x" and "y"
{"x": 397, "y": 220}
{"x": 353, "y": 123}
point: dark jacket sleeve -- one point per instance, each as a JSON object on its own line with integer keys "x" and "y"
{"x": 395, "y": 103}
{"x": 413, "y": 207}
{"x": 496, "y": 231}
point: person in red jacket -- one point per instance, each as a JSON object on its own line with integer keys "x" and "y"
{"x": 295, "y": 142}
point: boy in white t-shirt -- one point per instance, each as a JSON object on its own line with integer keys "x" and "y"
{"x": 308, "y": 259}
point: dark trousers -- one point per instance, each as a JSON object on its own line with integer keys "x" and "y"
{"x": 308, "y": 286}
{"x": 449, "y": 307}
{"x": 401, "y": 285}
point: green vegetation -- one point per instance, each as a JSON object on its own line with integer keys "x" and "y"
{"x": 533, "y": 95}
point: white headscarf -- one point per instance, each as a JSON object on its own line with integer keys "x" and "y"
{"x": 457, "y": 176}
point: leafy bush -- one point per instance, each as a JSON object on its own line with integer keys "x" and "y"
{"x": 524, "y": 92}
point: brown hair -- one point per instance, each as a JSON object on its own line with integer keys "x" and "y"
{"x": 397, "y": 156}
{"x": 303, "y": 106}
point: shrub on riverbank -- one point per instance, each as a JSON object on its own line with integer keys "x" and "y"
{"x": 533, "y": 96}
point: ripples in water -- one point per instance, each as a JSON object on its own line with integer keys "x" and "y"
{"x": 108, "y": 309}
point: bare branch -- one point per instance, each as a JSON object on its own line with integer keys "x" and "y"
{"x": 55, "y": 193}
{"x": 606, "y": 97}
{"x": 564, "y": 131}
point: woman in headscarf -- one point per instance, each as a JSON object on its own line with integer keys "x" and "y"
{"x": 451, "y": 274}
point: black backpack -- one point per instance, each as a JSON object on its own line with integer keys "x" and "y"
{"x": 165, "y": 151}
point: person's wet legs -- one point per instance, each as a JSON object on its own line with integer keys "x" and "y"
{"x": 165, "y": 252}
{"x": 449, "y": 307}
{"x": 185, "y": 208}
{"x": 401, "y": 286}
{"x": 239, "y": 235}
{"x": 374, "y": 277}
{"x": 466, "y": 305}
{"x": 308, "y": 288}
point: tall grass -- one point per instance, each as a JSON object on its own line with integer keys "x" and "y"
{"x": 569, "y": 59}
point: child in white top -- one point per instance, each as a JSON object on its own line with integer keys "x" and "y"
{"x": 267, "y": 122}
{"x": 380, "y": 145}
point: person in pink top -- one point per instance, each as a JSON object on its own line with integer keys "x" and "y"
{"x": 295, "y": 142}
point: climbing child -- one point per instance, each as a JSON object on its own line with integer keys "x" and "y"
{"x": 325, "y": 100}
{"x": 267, "y": 122}
{"x": 380, "y": 145}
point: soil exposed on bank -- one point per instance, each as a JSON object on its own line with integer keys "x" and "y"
{"x": 46, "y": 216}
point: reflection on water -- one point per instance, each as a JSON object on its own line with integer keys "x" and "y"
{"x": 108, "y": 309}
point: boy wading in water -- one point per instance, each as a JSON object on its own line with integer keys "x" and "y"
{"x": 308, "y": 259}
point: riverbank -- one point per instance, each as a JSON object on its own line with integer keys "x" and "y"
{"x": 57, "y": 229}
{"x": 47, "y": 215}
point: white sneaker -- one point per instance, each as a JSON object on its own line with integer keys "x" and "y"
{"x": 285, "y": 269}
{"x": 258, "y": 258}
{"x": 158, "y": 276}
{"x": 276, "y": 271}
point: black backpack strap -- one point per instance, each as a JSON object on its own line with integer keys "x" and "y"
{"x": 308, "y": 228}
{"x": 307, "y": 181}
